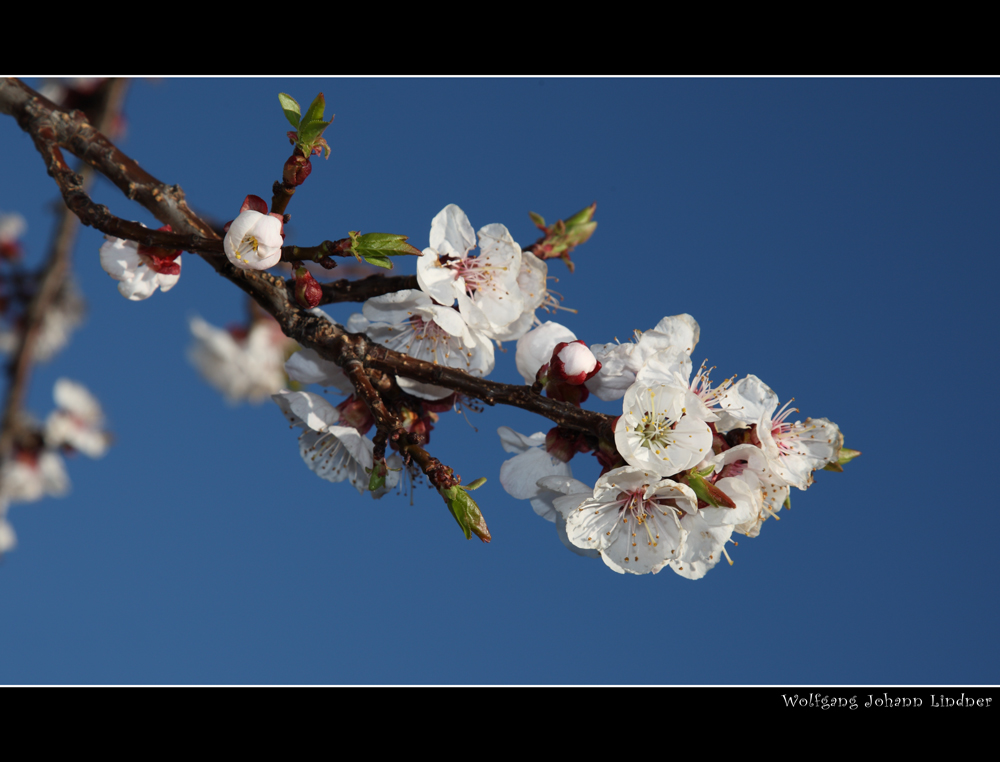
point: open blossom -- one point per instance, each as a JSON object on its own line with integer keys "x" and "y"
{"x": 78, "y": 421}
{"x": 410, "y": 322}
{"x": 519, "y": 475}
{"x": 709, "y": 529}
{"x": 621, "y": 362}
{"x": 331, "y": 451}
{"x": 243, "y": 365}
{"x": 486, "y": 286}
{"x": 140, "y": 270}
{"x": 31, "y": 475}
{"x": 794, "y": 450}
{"x": 658, "y": 433}
{"x": 532, "y": 281}
{"x": 749, "y": 463}
{"x": 634, "y": 519}
{"x": 253, "y": 241}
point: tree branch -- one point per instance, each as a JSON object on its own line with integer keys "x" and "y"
{"x": 51, "y": 129}
{"x": 52, "y": 276}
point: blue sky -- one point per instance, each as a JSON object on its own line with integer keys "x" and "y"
{"x": 837, "y": 238}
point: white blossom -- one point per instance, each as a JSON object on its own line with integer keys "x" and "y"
{"x": 532, "y": 283}
{"x": 253, "y": 241}
{"x": 709, "y": 529}
{"x": 78, "y": 420}
{"x": 621, "y": 362}
{"x": 486, "y": 286}
{"x": 138, "y": 274}
{"x": 410, "y": 322}
{"x": 519, "y": 475}
{"x": 634, "y": 519}
{"x": 794, "y": 450}
{"x": 333, "y": 452}
{"x": 249, "y": 367}
{"x": 749, "y": 463}
{"x": 30, "y": 476}
{"x": 657, "y": 433}
{"x": 557, "y": 497}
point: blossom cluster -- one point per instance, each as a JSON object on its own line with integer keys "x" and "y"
{"x": 691, "y": 463}
{"x": 35, "y": 469}
{"x": 465, "y": 304}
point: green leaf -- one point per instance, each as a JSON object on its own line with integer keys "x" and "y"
{"x": 291, "y": 108}
{"x": 466, "y": 512}
{"x": 476, "y": 484}
{"x": 378, "y": 474}
{"x": 788, "y": 501}
{"x": 846, "y": 455}
{"x": 709, "y": 492}
{"x": 378, "y": 261}
{"x": 584, "y": 216}
{"x": 538, "y": 219}
{"x": 383, "y": 245}
{"x": 309, "y": 132}
{"x": 315, "y": 111}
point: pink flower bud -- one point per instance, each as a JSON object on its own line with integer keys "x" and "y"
{"x": 573, "y": 363}
{"x": 308, "y": 292}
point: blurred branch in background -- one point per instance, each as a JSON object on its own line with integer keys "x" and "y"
{"x": 42, "y": 307}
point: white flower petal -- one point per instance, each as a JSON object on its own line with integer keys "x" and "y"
{"x": 452, "y": 233}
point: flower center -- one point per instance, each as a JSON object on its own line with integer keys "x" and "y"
{"x": 781, "y": 431}
{"x": 655, "y": 430}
